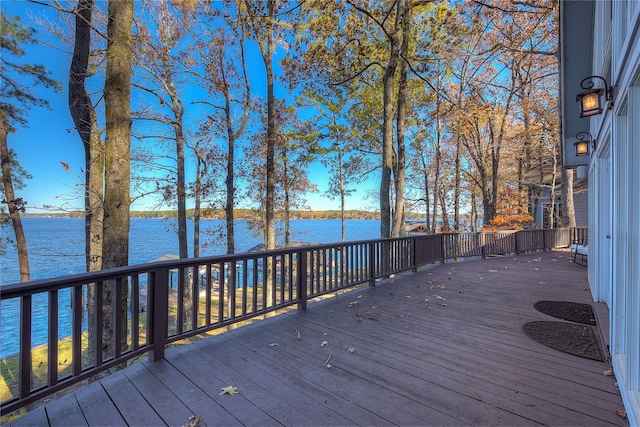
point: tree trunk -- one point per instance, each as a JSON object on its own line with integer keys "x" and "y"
{"x": 86, "y": 123}
{"x": 342, "y": 190}
{"x": 400, "y": 167}
{"x": 270, "y": 238}
{"x": 569, "y": 211}
{"x": 387, "y": 128}
{"x": 287, "y": 202}
{"x": 200, "y": 171}
{"x": 14, "y": 205}
{"x": 181, "y": 190}
{"x": 117, "y": 199}
{"x": 85, "y": 120}
{"x": 230, "y": 179}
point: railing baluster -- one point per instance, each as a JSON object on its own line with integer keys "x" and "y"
{"x": 301, "y": 282}
{"x": 209, "y": 285}
{"x": 221, "y": 293}
{"x": 118, "y": 318}
{"x": 52, "y": 350}
{"x": 195, "y": 296}
{"x": 135, "y": 312}
{"x": 232, "y": 290}
{"x": 180, "y": 302}
{"x": 76, "y": 351}
{"x": 98, "y": 309}
{"x": 254, "y": 295}
{"x": 25, "y": 345}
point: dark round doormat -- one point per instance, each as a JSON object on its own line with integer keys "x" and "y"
{"x": 571, "y": 311}
{"x": 571, "y": 338}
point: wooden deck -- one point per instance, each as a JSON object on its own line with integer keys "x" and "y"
{"x": 394, "y": 359}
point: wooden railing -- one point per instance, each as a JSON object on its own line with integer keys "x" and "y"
{"x": 146, "y": 307}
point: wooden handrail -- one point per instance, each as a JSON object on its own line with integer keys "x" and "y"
{"x": 158, "y": 303}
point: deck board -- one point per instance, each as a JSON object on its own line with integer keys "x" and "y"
{"x": 97, "y": 406}
{"x": 413, "y": 362}
{"x": 130, "y": 403}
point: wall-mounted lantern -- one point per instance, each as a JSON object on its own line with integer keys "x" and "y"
{"x": 590, "y": 99}
{"x": 583, "y": 140}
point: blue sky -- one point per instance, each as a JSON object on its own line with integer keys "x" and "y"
{"x": 50, "y": 139}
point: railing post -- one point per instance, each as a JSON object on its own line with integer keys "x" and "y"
{"x": 158, "y": 308}
{"x": 301, "y": 280}
{"x": 442, "y": 248}
{"x": 517, "y": 237}
{"x": 483, "y": 244}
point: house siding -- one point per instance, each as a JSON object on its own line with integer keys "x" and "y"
{"x": 614, "y": 177}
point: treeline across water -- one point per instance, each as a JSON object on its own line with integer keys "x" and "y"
{"x": 239, "y": 214}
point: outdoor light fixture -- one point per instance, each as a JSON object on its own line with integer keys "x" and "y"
{"x": 590, "y": 103}
{"x": 584, "y": 139}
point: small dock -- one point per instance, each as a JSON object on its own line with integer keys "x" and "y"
{"x": 443, "y": 346}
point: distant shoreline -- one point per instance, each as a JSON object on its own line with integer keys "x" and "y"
{"x": 240, "y": 214}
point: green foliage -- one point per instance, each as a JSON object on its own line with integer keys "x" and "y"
{"x": 15, "y": 96}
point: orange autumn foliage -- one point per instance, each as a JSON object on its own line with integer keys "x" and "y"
{"x": 511, "y": 214}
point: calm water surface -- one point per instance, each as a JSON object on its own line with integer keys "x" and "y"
{"x": 56, "y": 248}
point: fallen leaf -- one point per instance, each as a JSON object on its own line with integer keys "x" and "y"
{"x": 328, "y": 366}
{"x": 231, "y": 390}
{"x": 621, "y": 413}
{"x": 359, "y": 317}
{"x": 354, "y": 303}
{"x": 542, "y": 283}
{"x": 373, "y": 318}
{"x": 438, "y": 297}
{"x": 273, "y": 344}
{"x": 194, "y": 421}
{"x": 359, "y": 296}
{"x": 351, "y": 350}
{"x": 324, "y": 343}
{"x": 609, "y": 373}
{"x": 299, "y": 334}
{"x": 427, "y": 300}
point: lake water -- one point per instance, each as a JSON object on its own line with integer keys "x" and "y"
{"x": 56, "y": 248}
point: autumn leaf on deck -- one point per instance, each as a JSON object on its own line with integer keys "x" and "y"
{"x": 324, "y": 343}
{"x": 299, "y": 334}
{"x": 194, "y": 421}
{"x": 621, "y": 413}
{"x": 273, "y": 344}
{"x": 354, "y": 303}
{"x": 351, "y": 350}
{"x": 231, "y": 390}
{"x": 438, "y": 297}
{"x": 608, "y": 373}
{"x": 359, "y": 317}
